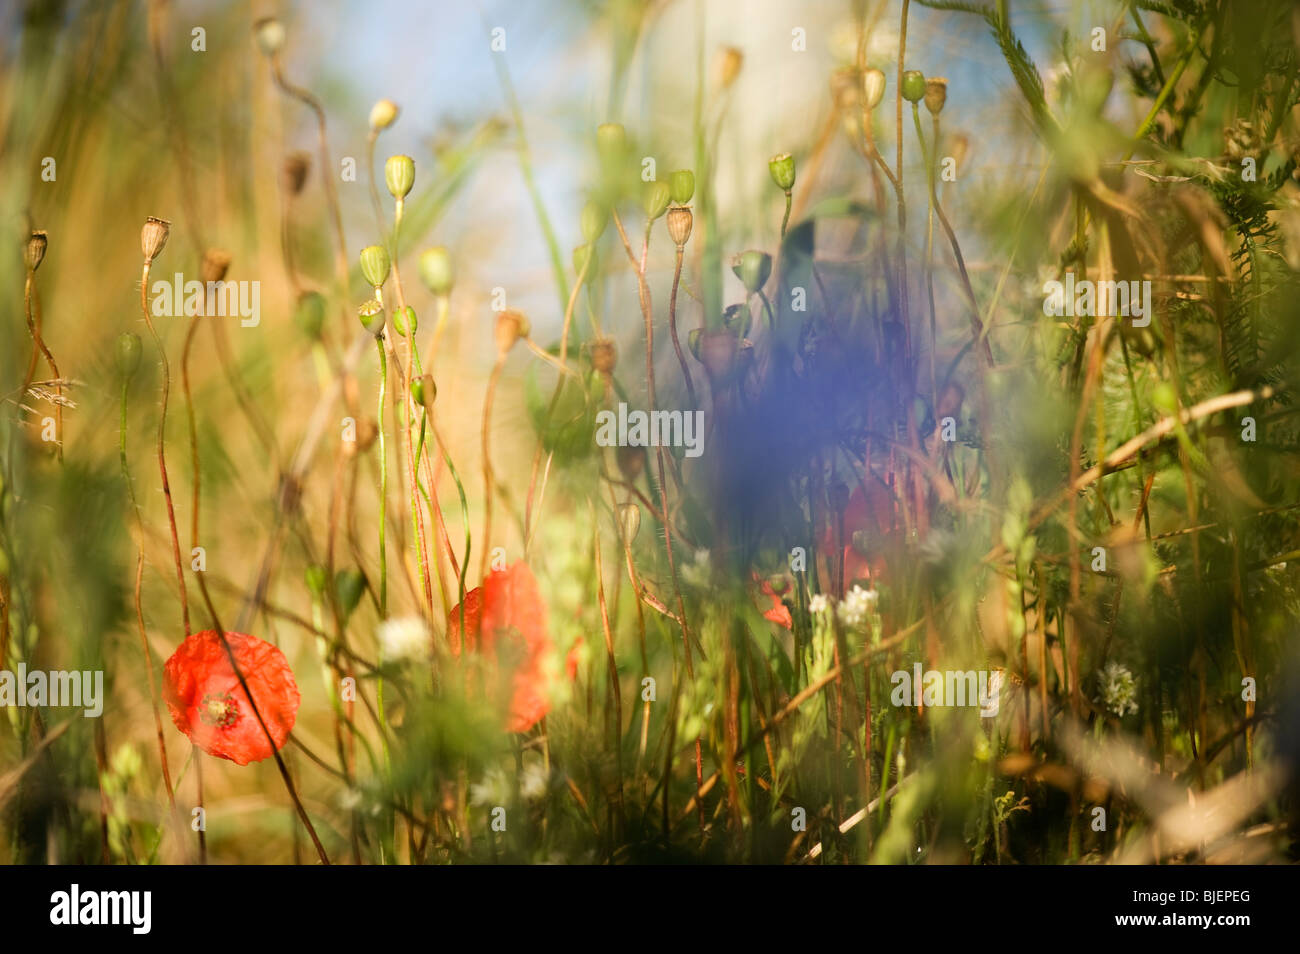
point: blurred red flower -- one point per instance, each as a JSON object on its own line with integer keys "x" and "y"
{"x": 505, "y": 618}
{"x": 209, "y": 705}
{"x": 779, "y": 613}
{"x": 872, "y": 513}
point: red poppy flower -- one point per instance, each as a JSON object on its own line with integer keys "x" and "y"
{"x": 506, "y": 618}
{"x": 873, "y": 513}
{"x": 779, "y": 613}
{"x": 209, "y": 705}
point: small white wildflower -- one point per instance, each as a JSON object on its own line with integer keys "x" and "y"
{"x": 494, "y": 789}
{"x": 1119, "y": 689}
{"x": 855, "y": 608}
{"x": 697, "y": 574}
{"x": 819, "y": 604}
{"x": 406, "y": 637}
{"x": 533, "y": 784}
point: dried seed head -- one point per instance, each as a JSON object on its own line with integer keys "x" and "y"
{"x": 436, "y": 271}
{"x": 153, "y": 237}
{"x": 873, "y": 87}
{"x": 383, "y": 114}
{"x": 34, "y": 250}
{"x": 511, "y": 327}
{"x": 128, "y": 354}
{"x": 680, "y": 220}
{"x": 375, "y": 265}
{"x": 629, "y": 515}
{"x": 631, "y": 461}
{"x": 936, "y": 94}
{"x": 399, "y": 174}
{"x": 657, "y": 197}
{"x": 216, "y": 262}
{"x": 782, "y": 169}
{"x": 682, "y": 184}
{"x": 593, "y": 220}
{"x": 424, "y": 391}
{"x": 604, "y": 355}
{"x": 372, "y": 317}
{"x": 293, "y": 174}
{"x": 729, "y": 62}
{"x": 269, "y": 33}
{"x": 913, "y": 86}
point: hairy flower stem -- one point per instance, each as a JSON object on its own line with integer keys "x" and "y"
{"x": 785, "y": 221}
{"x": 139, "y": 606}
{"x": 162, "y": 457}
{"x": 34, "y": 326}
{"x": 488, "y": 480}
{"x": 672, "y": 327}
{"x": 383, "y": 481}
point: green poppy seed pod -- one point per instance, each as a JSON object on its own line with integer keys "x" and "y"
{"x": 269, "y": 33}
{"x": 424, "y": 391}
{"x": 936, "y": 94}
{"x": 753, "y": 268}
{"x": 309, "y": 313}
{"x": 372, "y": 317}
{"x": 611, "y": 141}
{"x": 782, "y": 169}
{"x": 34, "y": 250}
{"x": 682, "y": 184}
{"x": 1164, "y": 397}
{"x": 736, "y": 319}
{"x": 128, "y": 354}
{"x": 399, "y": 174}
{"x": 404, "y": 318}
{"x": 375, "y": 265}
{"x": 629, "y": 515}
{"x": 657, "y": 197}
{"x": 913, "y": 86}
{"x": 316, "y": 578}
{"x": 153, "y": 237}
{"x": 436, "y": 271}
{"x": 584, "y": 256}
{"x": 873, "y": 88}
{"x": 383, "y": 114}
{"x": 593, "y": 220}
{"x": 680, "y": 219}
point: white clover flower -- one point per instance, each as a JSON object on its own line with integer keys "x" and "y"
{"x": 819, "y": 604}
{"x": 403, "y": 638}
{"x": 855, "y": 609}
{"x": 1119, "y": 689}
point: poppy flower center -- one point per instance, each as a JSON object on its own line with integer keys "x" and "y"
{"x": 219, "y": 710}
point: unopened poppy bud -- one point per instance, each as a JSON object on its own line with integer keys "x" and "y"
{"x": 873, "y": 87}
{"x": 913, "y": 86}
{"x": 269, "y": 33}
{"x": 309, "y": 313}
{"x": 293, "y": 174}
{"x": 593, "y": 219}
{"x": 215, "y": 264}
{"x": 34, "y": 250}
{"x": 375, "y": 265}
{"x": 629, "y": 515}
{"x": 936, "y": 94}
{"x": 372, "y": 317}
{"x": 680, "y": 220}
{"x": 316, "y": 580}
{"x": 753, "y": 268}
{"x": 511, "y": 327}
{"x": 404, "y": 318}
{"x": 383, "y": 114}
{"x": 682, "y": 184}
{"x": 424, "y": 391}
{"x": 436, "y": 271}
{"x": 736, "y": 319}
{"x": 730, "y": 60}
{"x": 128, "y": 354}
{"x": 631, "y": 461}
{"x": 584, "y": 256}
{"x": 604, "y": 355}
{"x": 153, "y": 237}
{"x": 349, "y": 587}
{"x": 693, "y": 341}
{"x": 782, "y": 169}
{"x": 657, "y": 197}
{"x": 611, "y": 144}
{"x": 399, "y": 174}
